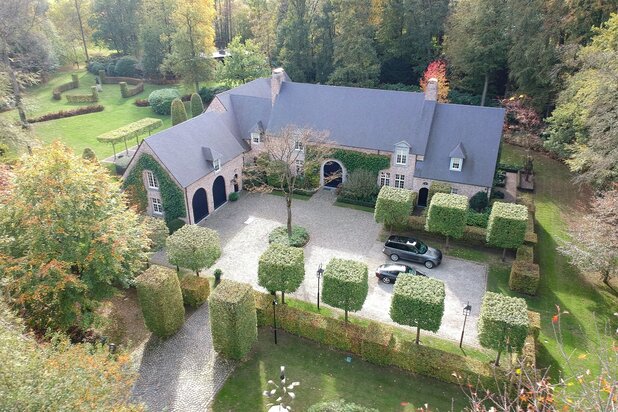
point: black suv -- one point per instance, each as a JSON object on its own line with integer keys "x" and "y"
{"x": 388, "y": 272}
{"x": 408, "y": 248}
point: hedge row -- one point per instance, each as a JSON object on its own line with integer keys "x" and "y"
{"x": 93, "y": 97}
{"x": 195, "y": 290}
{"x": 437, "y": 187}
{"x": 394, "y": 205}
{"x": 507, "y": 227}
{"x": 525, "y": 277}
{"x": 350, "y": 201}
{"x": 525, "y": 253}
{"x": 447, "y": 215}
{"x": 73, "y": 84}
{"x": 127, "y": 91}
{"x": 67, "y": 113}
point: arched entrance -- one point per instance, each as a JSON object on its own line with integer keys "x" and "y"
{"x": 219, "y": 195}
{"x": 332, "y": 174}
{"x": 200, "y": 205}
{"x": 422, "y": 197}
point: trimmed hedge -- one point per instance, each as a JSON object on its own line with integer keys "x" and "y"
{"x": 525, "y": 277}
{"x": 437, "y": 187}
{"x": 345, "y": 285}
{"x": 233, "y": 321}
{"x": 447, "y": 215}
{"x": 299, "y": 238}
{"x": 73, "y": 84}
{"x": 479, "y": 201}
{"x": 534, "y": 318}
{"x": 197, "y": 107}
{"x": 281, "y": 268}
{"x": 394, "y": 206}
{"x": 503, "y": 319}
{"x": 126, "y": 91}
{"x": 93, "y": 97}
{"x": 161, "y": 100}
{"x": 418, "y": 301}
{"x": 351, "y": 201}
{"x": 525, "y": 254}
{"x": 160, "y": 298}
{"x": 179, "y": 112}
{"x": 193, "y": 247}
{"x": 507, "y": 225}
{"x": 131, "y": 130}
{"x": 195, "y": 290}
{"x": 67, "y": 113}
{"x": 478, "y": 219}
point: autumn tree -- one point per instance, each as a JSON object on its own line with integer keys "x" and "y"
{"x": 437, "y": 70}
{"x": 245, "y": 63}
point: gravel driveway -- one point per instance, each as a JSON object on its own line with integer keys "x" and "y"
{"x": 337, "y": 232}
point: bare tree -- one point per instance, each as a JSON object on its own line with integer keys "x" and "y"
{"x": 285, "y": 159}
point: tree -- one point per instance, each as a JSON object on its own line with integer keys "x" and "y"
{"x": 418, "y": 301}
{"x": 437, "y": 70}
{"x": 355, "y": 58}
{"x": 262, "y": 17}
{"x": 115, "y": 24}
{"x": 476, "y": 43}
{"x": 595, "y": 240}
{"x": 157, "y": 232}
{"x": 193, "y": 247}
{"x": 179, "y": 112}
{"x": 69, "y": 211}
{"x": 323, "y": 41}
{"x": 70, "y": 18}
{"x": 281, "y": 269}
{"x": 345, "y": 285}
{"x": 197, "y": 106}
{"x": 479, "y": 201}
{"x": 245, "y": 63}
{"x": 156, "y": 31}
{"x": 192, "y": 42}
{"x": 447, "y": 215}
{"x": 293, "y": 38}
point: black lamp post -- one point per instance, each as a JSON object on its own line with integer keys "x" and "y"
{"x": 319, "y": 274}
{"x": 466, "y": 312}
{"x": 275, "y": 318}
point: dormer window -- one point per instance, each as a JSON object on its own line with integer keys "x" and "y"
{"x": 256, "y": 138}
{"x": 456, "y": 163}
{"x": 216, "y": 164}
{"x": 298, "y": 146}
{"x": 401, "y": 156}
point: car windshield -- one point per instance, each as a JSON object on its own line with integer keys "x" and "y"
{"x": 411, "y": 270}
{"x": 420, "y": 246}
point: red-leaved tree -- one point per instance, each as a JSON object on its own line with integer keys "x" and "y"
{"x": 437, "y": 70}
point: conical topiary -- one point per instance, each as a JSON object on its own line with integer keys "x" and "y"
{"x": 197, "y": 107}
{"x": 179, "y": 113}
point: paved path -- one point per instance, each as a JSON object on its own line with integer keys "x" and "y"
{"x": 182, "y": 373}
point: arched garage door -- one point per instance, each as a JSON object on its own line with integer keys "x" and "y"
{"x": 218, "y": 192}
{"x": 200, "y": 205}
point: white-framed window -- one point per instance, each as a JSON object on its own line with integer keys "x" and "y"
{"x": 401, "y": 155}
{"x": 256, "y": 138}
{"x": 153, "y": 183}
{"x": 298, "y": 146}
{"x": 456, "y": 163}
{"x": 300, "y": 167}
{"x": 385, "y": 179}
{"x": 454, "y": 191}
{"x": 157, "y": 207}
{"x": 399, "y": 180}
{"x": 216, "y": 164}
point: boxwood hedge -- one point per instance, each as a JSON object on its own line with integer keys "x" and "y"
{"x": 345, "y": 285}
{"x": 503, "y": 323}
{"x": 233, "y": 321}
{"x": 525, "y": 277}
{"x": 394, "y": 206}
{"x": 195, "y": 290}
{"x": 418, "y": 301}
{"x": 525, "y": 253}
{"x": 193, "y": 247}
{"x": 507, "y": 225}
{"x": 437, "y": 187}
{"x": 447, "y": 215}
{"x": 281, "y": 268}
{"x": 160, "y": 298}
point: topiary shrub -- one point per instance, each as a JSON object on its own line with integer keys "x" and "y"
{"x": 193, "y": 247}
{"x": 447, "y": 215}
{"x": 525, "y": 277}
{"x": 233, "y": 320}
{"x": 339, "y": 406}
{"x": 88, "y": 154}
{"x": 179, "y": 113}
{"x": 195, "y": 290}
{"x": 197, "y": 107}
{"x": 281, "y": 269}
{"x": 161, "y": 100}
{"x": 175, "y": 224}
{"x": 437, "y": 187}
{"x": 394, "y": 206}
{"x": 479, "y": 201}
{"x": 345, "y": 285}
{"x": 160, "y": 298}
{"x": 126, "y": 67}
{"x": 525, "y": 254}
{"x": 299, "y": 238}
{"x": 233, "y": 196}
{"x": 507, "y": 226}
{"x": 217, "y": 273}
{"x": 503, "y": 323}
{"x": 418, "y": 301}
{"x": 157, "y": 232}
{"x": 534, "y": 318}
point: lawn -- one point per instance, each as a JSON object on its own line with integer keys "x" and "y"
{"x": 326, "y": 375}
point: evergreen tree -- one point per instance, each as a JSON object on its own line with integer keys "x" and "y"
{"x": 262, "y": 16}
{"x": 197, "y": 106}
{"x": 179, "y": 112}
{"x": 115, "y": 24}
{"x": 323, "y": 35}
{"x": 293, "y": 36}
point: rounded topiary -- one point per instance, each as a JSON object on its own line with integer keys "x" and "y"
{"x": 281, "y": 268}
{"x": 161, "y": 100}
{"x": 197, "y": 107}
{"x": 88, "y": 154}
{"x": 126, "y": 67}
{"x": 299, "y": 237}
{"x": 110, "y": 70}
{"x": 179, "y": 112}
{"x": 479, "y": 201}
{"x": 193, "y": 247}
{"x": 233, "y": 196}
{"x": 174, "y": 225}
{"x": 195, "y": 290}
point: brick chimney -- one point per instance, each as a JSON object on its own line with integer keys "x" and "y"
{"x": 279, "y": 76}
{"x": 431, "y": 90}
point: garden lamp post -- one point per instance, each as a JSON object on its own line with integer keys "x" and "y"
{"x": 319, "y": 274}
{"x": 275, "y": 318}
{"x": 466, "y": 312}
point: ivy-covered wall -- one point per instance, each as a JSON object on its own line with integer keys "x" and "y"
{"x": 171, "y": 195}
{"x": 353, "y": 160}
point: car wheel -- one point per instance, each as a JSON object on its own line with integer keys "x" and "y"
{"x": 386, "y": 280}
{"x": 429, "y": 264}
{"x": 394, "y": 257}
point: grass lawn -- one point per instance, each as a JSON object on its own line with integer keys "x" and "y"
{"x": 326, "y": 375}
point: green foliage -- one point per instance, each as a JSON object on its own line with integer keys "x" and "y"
{"x": 299, "y": 237}
{"x": 525, "y": 254}
{"x": 503, "y": 320}
{"x": 130, "y": 131}
{"x": 377, "y": 342}
{"x": 155, "y": 34}
{"x": 197, "y": 107}
{"x": 172, "y": 196}
{"x": 209, "y": 93}
{"x": 175, "y": 224}
{"x": 339, "y": 406}
{"x": 193, "y": 247}
{"x": 115, "y": 24}
{"x": 437, "y": 187}
{"x": 478, "y": 219}
{"x": 73, "y": 84}
{"x": 293, "y": 36}
{"x": 507, "y": 225}
{"x": 394, "y": 205}
{"x": 233, "y": 196}
{"x": 525, "y": 277}
{"x": 246, "y": 63}
{"x": 126, "y": 67}
{"x": 233, "y": 319}
{"x": 479, "y": 201}
{"x": 157, "y": 232}
{"x": 418, "y": 301}
{"x": 93, "y": 97}
{"x": 195, "y": 290}
{"x": 160, "y": 298}
{"x": 353, "y": 160}
{"x": 447, "y": 215}
{"x": 88, "y": 154}
{"x": 345, "y": 284}
{"x": 361, "y": 185}
{"x": 281, "y": 268}
{"x": 126, "y": 91}
{"x": 179, "y": 113}
{"x": 161, "y": 100}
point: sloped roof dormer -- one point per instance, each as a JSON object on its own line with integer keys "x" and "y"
{"x": 257, "y": 128}
{"x": 210, "y": 155}
{"x": 458, "y": 152}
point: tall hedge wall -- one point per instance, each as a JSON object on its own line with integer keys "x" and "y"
{"x": 503, "y": 318}
{"x": 507, "y": 225}
{"x": 525, "y": 277}
{"x": 345, "y": 284}
{"x": 437, "y": 187}
{"x": 447, "y": 215}
{"x": 172, "y": 197}
{"x": 281, "y": 268}
{"x": 394, "y": 206}
{"x": 160, "y": 298}
{"x": 233, "y": 321}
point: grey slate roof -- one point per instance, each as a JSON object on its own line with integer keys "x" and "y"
{"x": 210, "y": 155}
{"x": 458, "y": 151}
